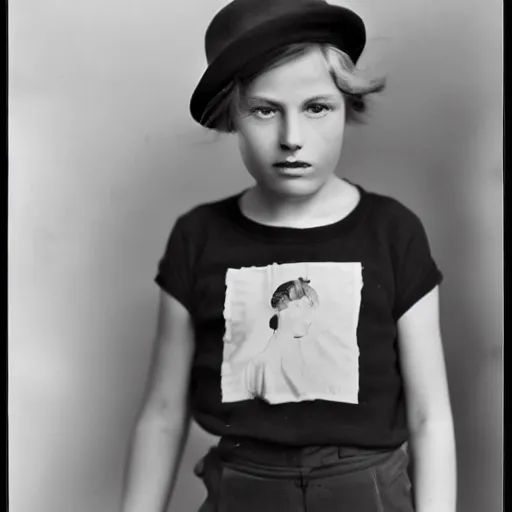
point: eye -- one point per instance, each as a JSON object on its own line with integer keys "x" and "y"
{"x": 318, "y": 109}
{"x": 263, "y": 112}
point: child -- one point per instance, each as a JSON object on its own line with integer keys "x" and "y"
{"x": 281, "y": 77}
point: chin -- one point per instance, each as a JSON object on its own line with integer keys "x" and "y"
{"x": 301, "y": 333}
{"x": 299, "y": 188}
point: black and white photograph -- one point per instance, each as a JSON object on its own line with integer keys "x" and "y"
{"x": 255, "y": 256}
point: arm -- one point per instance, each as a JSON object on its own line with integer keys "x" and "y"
{"x": 428, "y": 405}
{"x": 162, "y": 427}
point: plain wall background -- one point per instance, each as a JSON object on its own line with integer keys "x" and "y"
{"x": 103, "y": 156}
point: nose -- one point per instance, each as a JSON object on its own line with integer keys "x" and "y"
{"x": 291, "y": 133}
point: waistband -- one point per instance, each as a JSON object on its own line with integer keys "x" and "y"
{"x": 232, "y": 449}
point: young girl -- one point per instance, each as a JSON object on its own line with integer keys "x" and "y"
{"x": 281, "y": 77}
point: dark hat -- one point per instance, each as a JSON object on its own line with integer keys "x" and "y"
{"x": 244, "y": 30}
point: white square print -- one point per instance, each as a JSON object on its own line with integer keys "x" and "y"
{"x": 291, "y": 333}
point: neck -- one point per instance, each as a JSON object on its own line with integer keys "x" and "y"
{"x": 305, "y": 211}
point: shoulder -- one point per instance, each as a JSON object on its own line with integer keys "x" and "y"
{"x": 203, "y": 215}
{"x": 393, "y": 215}
{"x": 391, "y": 208}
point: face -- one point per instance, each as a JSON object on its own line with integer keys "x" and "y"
{"x": 293, "y": 110}
{"x": 297, "y": 317}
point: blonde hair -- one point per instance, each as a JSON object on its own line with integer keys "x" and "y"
{"x": 220, "y": 113}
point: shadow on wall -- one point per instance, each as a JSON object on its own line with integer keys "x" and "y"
{"x": 457, "y": 188}
{"x": 169, "y": 179}
{"x": 434, "y": 148}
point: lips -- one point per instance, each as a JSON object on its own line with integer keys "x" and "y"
{"x": 292, "y": 163}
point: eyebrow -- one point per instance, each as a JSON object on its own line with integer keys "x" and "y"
{"x": 274, "y": 103}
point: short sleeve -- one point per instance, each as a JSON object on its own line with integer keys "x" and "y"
{"x": 417, "y": 273}
{"x": 174, "y": 273}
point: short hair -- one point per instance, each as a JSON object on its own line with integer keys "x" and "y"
{"x": 221, "y": 111}
{"x": 288, "y": 292}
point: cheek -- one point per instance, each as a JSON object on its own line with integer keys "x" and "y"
{"x": 255, "y": 144}
{"x": 306, "y": 312}
{"x": 302, "y": 314}
{"x": 328, "y": 135}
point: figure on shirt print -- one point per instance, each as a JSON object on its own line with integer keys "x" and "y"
{"x": 290, "y": 337}
{"x": 280, "y": 367}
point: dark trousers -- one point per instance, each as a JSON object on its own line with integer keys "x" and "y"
{"x": 249, "y": 476}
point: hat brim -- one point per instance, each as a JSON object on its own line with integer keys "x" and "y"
{"x": 328, "y": 24}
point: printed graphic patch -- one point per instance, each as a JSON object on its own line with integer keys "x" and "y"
{"x": 291, "y": 333}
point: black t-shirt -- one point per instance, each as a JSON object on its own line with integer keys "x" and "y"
{"x": 296, "y": 329}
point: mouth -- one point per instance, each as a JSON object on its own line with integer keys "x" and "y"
{"x": 292, "y": 164}
{"x": 293, "y": 168}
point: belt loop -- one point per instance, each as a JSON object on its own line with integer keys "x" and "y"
{"x": 304, "y": 477}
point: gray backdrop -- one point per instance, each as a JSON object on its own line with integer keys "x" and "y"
{"x": 103, "y": 155}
